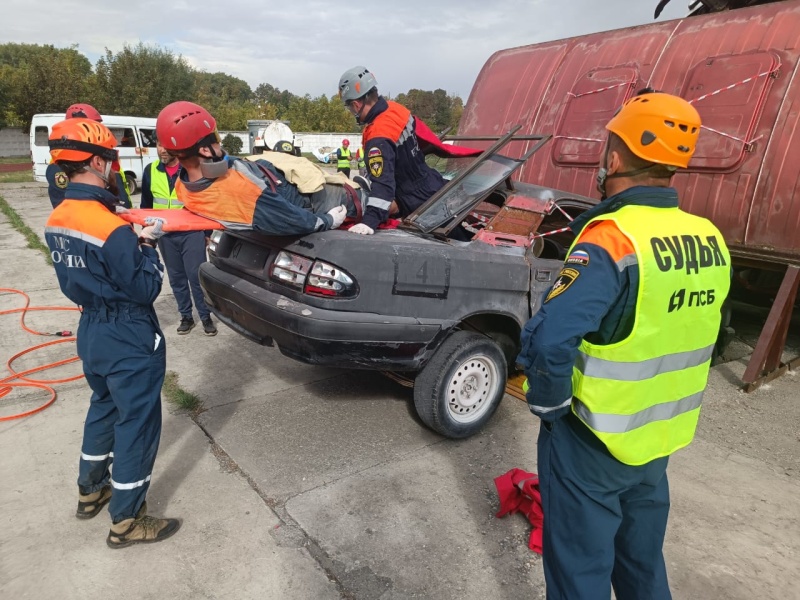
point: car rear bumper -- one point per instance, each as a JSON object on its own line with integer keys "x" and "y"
{"x": 320, "y": 336}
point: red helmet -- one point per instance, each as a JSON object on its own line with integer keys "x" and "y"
{"x": 345, "y": 143}
{"x": 83, "y": 111}
{"x": 185, "y": 126}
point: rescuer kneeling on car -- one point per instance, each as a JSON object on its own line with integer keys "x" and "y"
{"x": 617, "y": 359}
{"x": 115, "y": 278}
{"x": 239, "y": 194}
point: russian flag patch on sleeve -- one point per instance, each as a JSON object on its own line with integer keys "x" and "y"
{"x": 578, "y": 257}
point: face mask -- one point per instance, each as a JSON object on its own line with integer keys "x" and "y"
{"x": 104, "y": 175}
{"x": 111, "y": 180}
{"x": 215, "y": 167}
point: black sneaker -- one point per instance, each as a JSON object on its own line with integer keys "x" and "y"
{"x": 363, "y": 182}
{"x": 208, "y": 327}
{"x": 187, "y": 324}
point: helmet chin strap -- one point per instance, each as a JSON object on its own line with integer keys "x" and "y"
{"x": 103, "y": 176}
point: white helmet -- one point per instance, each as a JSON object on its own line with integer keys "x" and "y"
{"x": 355, "y": 83}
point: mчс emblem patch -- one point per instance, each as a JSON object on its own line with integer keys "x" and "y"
{"x": 565, "y": 279}
{"x": 61, "y": 179}
{"x": 376, "y": 166}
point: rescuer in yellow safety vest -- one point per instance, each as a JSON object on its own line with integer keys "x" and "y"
{"x": 617, "y": 359}
{"x": 183, "y": 251}
{"x": 343, "y": 158}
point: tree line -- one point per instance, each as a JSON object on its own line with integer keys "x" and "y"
{"x": 140, "y": 80}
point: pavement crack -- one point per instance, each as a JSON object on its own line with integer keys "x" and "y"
{"x": 293, "y": 534}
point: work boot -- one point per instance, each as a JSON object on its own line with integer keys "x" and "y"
{"x": 143, "y": 529}
{"x": 187, "y": 324}
{"x": 90, "y": 505}
{"x": 208, "y": 326}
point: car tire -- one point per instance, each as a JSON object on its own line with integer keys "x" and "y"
{"x": 130, "y": 181}
{"x": 459, "y": 389}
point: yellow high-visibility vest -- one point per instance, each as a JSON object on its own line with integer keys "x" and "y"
{"x": 344, "y": 158}
{"x": 163, "y": 198}
{"x": 641, "y": 396}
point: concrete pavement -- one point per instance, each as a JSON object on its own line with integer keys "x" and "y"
{"x": 303, "y": 482}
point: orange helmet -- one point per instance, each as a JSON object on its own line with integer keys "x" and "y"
{"x": 660, "y": 128}
{"x": 77, "y": 140}
{"x": 83, "y": 111}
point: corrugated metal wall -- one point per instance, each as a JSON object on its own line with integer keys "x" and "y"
{"x": 744, "y": 174}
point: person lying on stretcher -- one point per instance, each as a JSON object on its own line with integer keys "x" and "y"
{"x": 241, "y": 194}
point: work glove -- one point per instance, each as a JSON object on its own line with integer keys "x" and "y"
{"x": 362, "y": 229}
{"x": 121, "y": 210}
{"x": 338, "y": 215}
{"x": 154, "y": 229}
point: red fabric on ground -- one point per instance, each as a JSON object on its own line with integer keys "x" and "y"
{"x": 519, "y": 492}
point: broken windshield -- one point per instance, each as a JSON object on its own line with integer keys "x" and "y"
{"x": 462, "y": 192}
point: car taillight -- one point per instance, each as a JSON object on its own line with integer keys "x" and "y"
{"x": 329, "y": 281}
{"x": 290, "y": 269}
{"x": 216, "y": 236}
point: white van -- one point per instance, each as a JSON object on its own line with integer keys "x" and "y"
{"x": 136, "y": 137}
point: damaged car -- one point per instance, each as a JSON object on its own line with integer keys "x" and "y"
{"x": 439, "y": 300}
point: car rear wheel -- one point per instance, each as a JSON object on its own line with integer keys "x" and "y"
{"x": 459, "y": 389}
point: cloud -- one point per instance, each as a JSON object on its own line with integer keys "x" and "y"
{"x": 304, "y": 46}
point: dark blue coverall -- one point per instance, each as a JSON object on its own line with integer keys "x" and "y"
{"x": 395, "y": 164}
{"x": 183, "y": 253}
{"x": 604, "y": 520}
{"x": 101, "y": 267}
{"x": 57, "y": 185}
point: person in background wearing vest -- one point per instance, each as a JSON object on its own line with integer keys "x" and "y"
{"x": 115, "y": 277}
{"x": 343, "y": 158}
{"x": 56, "y": 178}
{"x": 183, "y": 251}
{"x": 399, "y": 179}
{"x": 617, "y": 359}
{"x": 362, "y": 165}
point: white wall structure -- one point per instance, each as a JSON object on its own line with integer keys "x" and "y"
{"x": 13, "y": 142}
{"x": 314, "y": 141}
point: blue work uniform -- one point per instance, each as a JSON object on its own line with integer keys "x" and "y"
{"x": 183, "y": 251}
{"x": 57, "y": 184}
{"x": 101, "y": 267}
{"x": 395, "y": 164}
{"x": 604, "y": 520}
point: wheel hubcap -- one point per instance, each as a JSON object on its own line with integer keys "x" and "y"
{"x": 472, "y": 389}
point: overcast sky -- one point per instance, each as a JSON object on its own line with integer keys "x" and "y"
{"x": 304, "y": 46}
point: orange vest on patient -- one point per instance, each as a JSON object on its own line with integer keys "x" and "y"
{"x": 245, "y": 197}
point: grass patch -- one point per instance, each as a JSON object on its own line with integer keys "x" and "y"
{"x": 179, "y": 397}
{"x": 34, "y": 241}
{"x": 17, "y": 177}
{"x": 15, "y": 160}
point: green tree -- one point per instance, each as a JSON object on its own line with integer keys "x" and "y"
{"x": 41, "y": 79}
{"x": 232, "y": 144}
{"x": 141, "y": 80}
{"x": 319, "y": 114}
{"x": 272, "y": 100}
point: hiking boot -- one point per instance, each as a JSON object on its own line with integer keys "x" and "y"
{"x": 90, "y": 505}
{"x": 143, "y": 529}
{"x": 187, "y": 324}
{"x": 208, "y": 326}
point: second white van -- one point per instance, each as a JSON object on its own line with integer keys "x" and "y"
{"x": 136, "y": 137}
